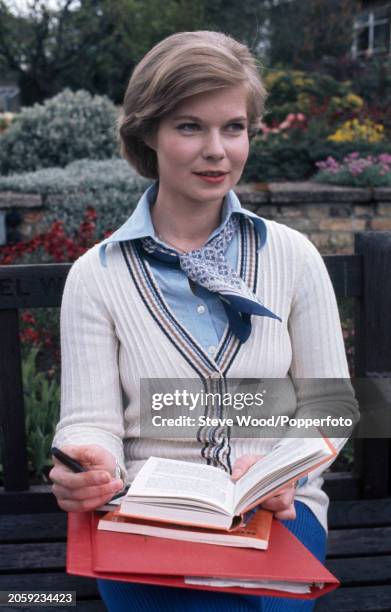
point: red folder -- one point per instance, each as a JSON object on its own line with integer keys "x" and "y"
{"x": 144, "y": 559}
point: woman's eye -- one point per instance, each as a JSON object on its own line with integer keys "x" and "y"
{"x": 237, "y": 126}
{"x": 192, "y": 127}
{"x": 187, "y": 127}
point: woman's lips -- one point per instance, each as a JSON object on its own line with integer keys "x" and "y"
{"x": 212, "y": 179}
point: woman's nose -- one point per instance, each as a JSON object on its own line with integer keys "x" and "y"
{"x": 213, "y": 146}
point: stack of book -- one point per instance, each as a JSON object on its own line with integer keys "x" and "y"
{"x": 171, "y": 526}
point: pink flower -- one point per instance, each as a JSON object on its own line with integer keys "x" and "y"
{"x": 285, "y": 124}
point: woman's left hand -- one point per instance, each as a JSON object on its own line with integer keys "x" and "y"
{"x": 281, "y": 504}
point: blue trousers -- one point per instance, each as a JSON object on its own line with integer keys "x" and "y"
{"x": 124, "y": 596}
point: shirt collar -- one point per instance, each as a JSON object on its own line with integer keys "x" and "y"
{"x": 139, "y": 224}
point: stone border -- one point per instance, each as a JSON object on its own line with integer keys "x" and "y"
{"x": 307, "y": 191}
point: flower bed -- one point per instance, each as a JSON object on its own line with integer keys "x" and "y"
{"x": 356, "y": 171}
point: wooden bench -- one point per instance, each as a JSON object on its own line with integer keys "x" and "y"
{"x": 33, "y": 530}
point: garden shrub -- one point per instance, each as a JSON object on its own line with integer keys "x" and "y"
{"x": 111, "y": 187}
{"x": 295, "y": 91}
{"x": 67, "y": 127}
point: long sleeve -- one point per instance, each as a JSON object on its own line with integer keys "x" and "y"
{"x": 319, "y": 369}
{"x": 91, "y": 396}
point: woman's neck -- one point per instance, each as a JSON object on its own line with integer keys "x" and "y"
{"x": 185, "y": 225}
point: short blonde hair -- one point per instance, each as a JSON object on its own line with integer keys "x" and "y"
{"x": 182, "y": 65}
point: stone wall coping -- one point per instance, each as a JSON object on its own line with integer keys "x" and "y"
{"x": 302, "y": 192}
{"x": 16, "y": 199}
{"x": 309, "y": 192}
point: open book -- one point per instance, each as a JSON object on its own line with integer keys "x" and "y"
{"x": 254, "y": 535}
{"x": 205, "y": 496}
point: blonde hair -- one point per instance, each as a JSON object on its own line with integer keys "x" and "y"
{"x": 183, "y": 65}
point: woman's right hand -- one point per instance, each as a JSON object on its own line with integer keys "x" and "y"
{"x": 85, "y": 491}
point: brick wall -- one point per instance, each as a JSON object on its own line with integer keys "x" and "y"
{"x": 329, "y": 216}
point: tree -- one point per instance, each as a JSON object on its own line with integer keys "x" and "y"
{"x": 302, "y": 34}
{"x": 243, "y": 20}
{"x": 88, "y": 44}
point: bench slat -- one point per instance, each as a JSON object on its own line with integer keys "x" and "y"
{"x": 33, "y": 527}
{"x": 356, "y": 599}
{"x": 361, "y": 570}
{"x": 360, "y": 513}
{"x": 32, "y": 556}
{"x": 53, "y": 581}
{"x": 358, "y": 542}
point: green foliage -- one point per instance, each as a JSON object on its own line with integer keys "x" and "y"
{"x": 245, "y": 21}
{"x": 111, "y": 187}
{"x": 280, "y": 159}
{"x": 42, "y": 404}
{"x": 68, "y": 127}
{"x": 372, "y": 81}
{"x": 345, "y": 459}
{"x": 78, "y": 176}
{"x": 296, "y": 91}
{"x": 370, "y": 177}
{"x": 93, "y": 44}
{"x": 302, "y": 33}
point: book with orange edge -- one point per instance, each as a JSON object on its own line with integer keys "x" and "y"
{"x": 164, "y": 562}
{"x": 255, "y": 534}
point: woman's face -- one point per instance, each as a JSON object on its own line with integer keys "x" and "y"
{"x": 206, "y": 132}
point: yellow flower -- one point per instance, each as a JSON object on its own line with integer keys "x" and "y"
{"x": 272, "y": 77}
{"x": 354, "y": 100}
{"x": 354, "y": 130}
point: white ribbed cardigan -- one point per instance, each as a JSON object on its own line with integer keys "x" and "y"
{"x": 110, "y": 340}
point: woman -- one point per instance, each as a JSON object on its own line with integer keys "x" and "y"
{"x": 191, "y": 286}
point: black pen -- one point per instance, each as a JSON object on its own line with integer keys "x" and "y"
{"x": 65, "y": 459}
{"x": 76, "y": 467}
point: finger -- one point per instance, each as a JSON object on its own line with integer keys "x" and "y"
{"x": 287, "y": 489}
{"x": 243, "y": 463}
{"x": 286, "y": 515}
{"x": 278, "y": 502}
{"x": 64, "y": 477}
{"x": 85, "y": 493}
{"x": 87, "y": 454}
{"x": 70, "y": 505}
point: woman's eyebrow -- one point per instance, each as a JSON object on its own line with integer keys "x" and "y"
{"x": 194, "y": 118}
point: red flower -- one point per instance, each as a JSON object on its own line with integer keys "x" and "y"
{"x": 27, "y": 317}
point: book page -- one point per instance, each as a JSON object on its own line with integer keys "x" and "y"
{"x": 169, "y": 478}
{"x": 300, "y": 588}
{"x": 302, "y": 452}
